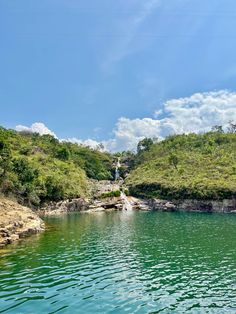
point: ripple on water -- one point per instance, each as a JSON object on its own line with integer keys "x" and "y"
{"x": 118, "y": 263}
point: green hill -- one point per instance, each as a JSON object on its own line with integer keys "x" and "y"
{"x": 186, "y": 166}
{"x": 36, "y": 168}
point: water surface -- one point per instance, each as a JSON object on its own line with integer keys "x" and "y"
{"x": 123, "y": 262}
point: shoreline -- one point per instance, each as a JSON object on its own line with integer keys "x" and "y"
{"x": 137, "y": 204}
{"x": 17, "y": 222}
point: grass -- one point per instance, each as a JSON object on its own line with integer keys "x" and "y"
{"x": 204, "y": 167}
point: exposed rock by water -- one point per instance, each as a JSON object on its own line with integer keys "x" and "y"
{"x": 69, "y": 205}
{"x": 224, "y": 206}
{"x": 96, "y": 203}
{"x": 17, "y": 221}
{"x": 122, "y": 202}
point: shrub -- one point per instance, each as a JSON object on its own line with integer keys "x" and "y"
{"x": 25, "y": 172}
{"x": 62, "y": 153}
{"x": 111, "y": 194}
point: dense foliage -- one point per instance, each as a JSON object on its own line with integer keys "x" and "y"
{"x": 37, "y": 168}
{"x": 187, "y": 166}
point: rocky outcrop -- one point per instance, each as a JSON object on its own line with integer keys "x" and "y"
{"x": 118, "y": 203}
{"x": 97, "y": 188}
{"x": 223, "y": 206}
{"x": 132, "y": 203}
{"x": 17, "y": 221}
{"x": 108, "y": 204}
{"x": 162, "y": 205}
{"x": 81, "y": 205}
{"x": 94, "y": 205}
{"x": 69, "y": 205}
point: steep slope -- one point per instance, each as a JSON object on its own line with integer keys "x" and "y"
{"x": 187, "y": 166}
{"x": 38, "y": 168}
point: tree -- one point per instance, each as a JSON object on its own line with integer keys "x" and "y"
{"x": 144, "y": 145}
{"x": 100, "y": 147}
{"x": 24, "y": 171}
{"x": 173, "y": 160}
{"x": 232, "y": 127}
{"x": 54, "y": 189}
{"x": 5, "y": 157}
{"x": 63, "y": 153}
{"x": 218, "y": 129}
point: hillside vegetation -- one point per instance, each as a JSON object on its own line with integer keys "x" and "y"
{"x": 36, "y": 168}
{"x": 186, "y": 166}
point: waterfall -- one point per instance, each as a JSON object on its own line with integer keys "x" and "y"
{"x": 126, "y": 203}
{"x": 117, "y": 172}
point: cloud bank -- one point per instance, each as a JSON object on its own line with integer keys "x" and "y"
{"x": 37, "y": 127}
{"x": 197, "y": 113}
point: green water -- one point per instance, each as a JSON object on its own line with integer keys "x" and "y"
{"x": 123, "y": 262}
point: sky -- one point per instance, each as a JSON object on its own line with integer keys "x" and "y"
{"x": 116, "y": 71}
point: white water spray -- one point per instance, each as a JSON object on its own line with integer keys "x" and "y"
{"x": 117, "y": 172}
{"x": 126, "y": 203}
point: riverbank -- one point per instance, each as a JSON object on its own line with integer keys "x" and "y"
{"x": 17, "y": 221}
{"x": 192, "y": 205}
{"x": 119, "y": 203}
{"x": 109, "y": 196}
{"x": 130, "y": 203}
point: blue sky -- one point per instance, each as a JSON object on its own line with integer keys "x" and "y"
{"x": 102, "y": 70}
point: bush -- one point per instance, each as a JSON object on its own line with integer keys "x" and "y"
{"x": 25, "y": 172}
{"x": 62, "y": 153}
{"x": 54, "y": 189}
{"x": 205, "y": 166}
{"x": 111, "y": 194}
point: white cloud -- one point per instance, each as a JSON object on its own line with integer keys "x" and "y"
{"x": 200, "y": 111}
{"x": 88, "y": 143}
{"x": 158, "y": 113}
{"x": 128, "y": 132}
{"x": 197, "y": 113}
{"x": 37, "y": 127}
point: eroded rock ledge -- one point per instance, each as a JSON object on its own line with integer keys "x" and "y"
{"x": 118, "y": 203}
{"x": 223, "y": 206}
{"x": 17, "y": 221}
{"x": 96, "y": 205}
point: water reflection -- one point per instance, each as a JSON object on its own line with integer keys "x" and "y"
{"x": 123, "y": 262}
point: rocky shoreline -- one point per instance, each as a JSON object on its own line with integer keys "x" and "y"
{"x": 190, "y": 205}
{"x": 17, "y": 221}
{"x": 132, "y": 203}
{"x": 90, "y": 206}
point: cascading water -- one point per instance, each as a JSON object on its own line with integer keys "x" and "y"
{"x": 117, "y": 172}
{"x": 126, "y": 203}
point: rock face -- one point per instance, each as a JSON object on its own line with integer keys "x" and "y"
{"x": 95, "y": 205}
{"x": 224, "y": 206}
{"x": 79, "y": 204}
{"x": 162, "y": 205}
{"x": 69, "y": 205}
{"x": 17, "y": 221}
{"x": 123, "y": 202}
{"x": 104, "y": 186}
